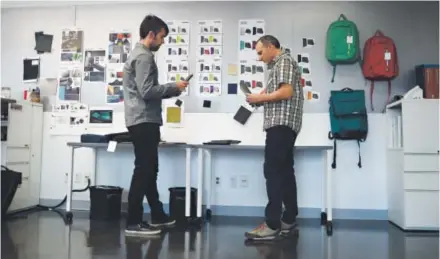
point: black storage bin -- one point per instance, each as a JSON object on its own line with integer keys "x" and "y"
{"x": 177, "y": 203}
{"x": 105, "y": 202}
{"x": 10, "y": 180}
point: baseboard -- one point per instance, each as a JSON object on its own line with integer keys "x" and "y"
{"x": 245, "y": 211}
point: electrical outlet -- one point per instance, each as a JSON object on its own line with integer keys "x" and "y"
{"x": 217, "y": 180}
{"x": 233, "y": 182}
{"x": 244, "y": 181}
{"x": 77, "y": 178}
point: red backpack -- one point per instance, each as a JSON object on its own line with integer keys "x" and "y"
{"x": 380, "y": 62}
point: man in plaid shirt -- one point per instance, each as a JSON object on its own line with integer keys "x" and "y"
{"x": 283, "y": 102}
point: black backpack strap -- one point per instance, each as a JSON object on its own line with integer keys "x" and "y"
{"x": 334, "y": 154}
{"x": 334, "y": 73}
{"x": 360, "y": 162}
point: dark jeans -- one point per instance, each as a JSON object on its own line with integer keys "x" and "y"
{"x": 280, "y": 177}
{"x": 145, "y": 137}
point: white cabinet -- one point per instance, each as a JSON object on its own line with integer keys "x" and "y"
{"x": 23, "y": 151}
{"x": 420, "y": 126}
{"x": 413, "y": 164}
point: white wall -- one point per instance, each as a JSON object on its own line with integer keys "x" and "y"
{"x": 354, "y": 188}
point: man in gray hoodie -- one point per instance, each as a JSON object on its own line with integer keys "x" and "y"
{"x": 143, "y": 117}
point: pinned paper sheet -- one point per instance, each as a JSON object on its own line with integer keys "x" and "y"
{"x": 31, "y": 69}
{"x": 304, "y": 62}
{"x": 232, "y": 69}
{"x": 312, "y": 96}
{"x": 308, "y": 42}
{"x": 174, "y": 115}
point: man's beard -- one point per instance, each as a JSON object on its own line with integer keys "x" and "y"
{"x": 155, "y": 47}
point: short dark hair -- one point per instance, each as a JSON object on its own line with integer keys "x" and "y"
{"x": 267, "y": 40}
{"x": 154, "y": 24}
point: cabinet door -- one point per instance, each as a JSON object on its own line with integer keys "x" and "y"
{"x": 20, "y": 125}
{"x": 420, "y": 119}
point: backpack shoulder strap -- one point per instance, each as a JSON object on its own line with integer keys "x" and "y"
{"x": 334, "y": 72}
{"x": 388, "y": 96}
{"x": 371, "y": 94}
{"x": 360, "y": 161}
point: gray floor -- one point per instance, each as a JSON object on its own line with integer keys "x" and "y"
{"x": 43, "y": 235}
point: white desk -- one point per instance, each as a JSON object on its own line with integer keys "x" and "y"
{"x": 326, "y": 209}
{"x": 95, "y": 146}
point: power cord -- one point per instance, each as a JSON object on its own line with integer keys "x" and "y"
{"x": 48, "y": 208}
{"x": 65, "y": 198}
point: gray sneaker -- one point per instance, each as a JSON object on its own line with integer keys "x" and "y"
{"x": 142, "y": 229}
{"x": 287, "y": 228}
{"x": 263, "y": 232}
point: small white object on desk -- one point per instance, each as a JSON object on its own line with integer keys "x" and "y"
{"x": 112, "y": 146}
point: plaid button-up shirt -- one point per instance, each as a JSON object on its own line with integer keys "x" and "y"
{"x": 284, "y": 69}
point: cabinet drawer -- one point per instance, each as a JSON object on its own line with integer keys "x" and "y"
{"x": 22, "y": 168}
{"x": 421, "y": 210}
{"x": 17, "y": 154}
{"x": 427, "y": 181}
{"x": 421, "y": 162}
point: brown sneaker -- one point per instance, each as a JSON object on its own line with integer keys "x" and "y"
{"x": 286, "y": 229}
{"x": 263, "y": 232}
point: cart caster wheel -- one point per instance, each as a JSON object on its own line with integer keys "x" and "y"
{"x": 69, "y": 217}
{"x": 208, "y": 214}
{"x": 323, "y": 218}
{"x": 329, "y": 228}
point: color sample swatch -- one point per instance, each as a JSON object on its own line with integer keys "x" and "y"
{"x": 174, "y": 115}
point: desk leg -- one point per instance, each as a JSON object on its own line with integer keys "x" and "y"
{"x": 209, "y": 189}
{"x": 94, "y": 167}
{"x": 186, "y": 245}
{"x": 199, "y": 183}
{"x": 69, "y": 215}
{"x": 324, "y": 190}
{"x": 188, "y": 183}
{"x": 328, "y": 172}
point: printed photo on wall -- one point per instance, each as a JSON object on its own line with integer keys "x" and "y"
{"x": 210, "y": 89}
{"x": 114, "y": 94}
{"x": 119, "y": 47}
{"x": 72, "y": 46}
{"x": 94, "y": 65}
{"x": 114, "y": 89}
{"x": 69, "y": 86}
{"x": 100, "y": 116}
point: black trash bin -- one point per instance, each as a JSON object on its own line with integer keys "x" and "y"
{"x": 177, "y": 203}
{"x": 105, "y": 202}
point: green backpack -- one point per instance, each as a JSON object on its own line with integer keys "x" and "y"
{"x": 342, "y": 46}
